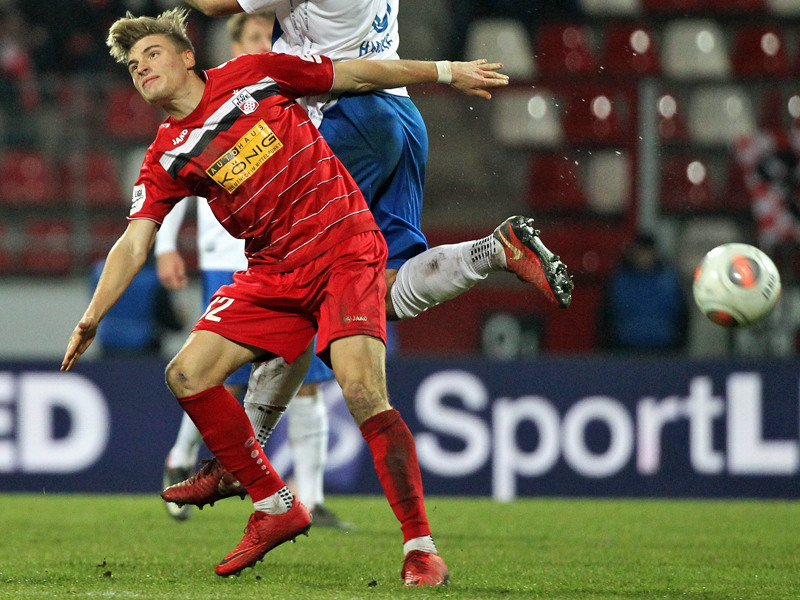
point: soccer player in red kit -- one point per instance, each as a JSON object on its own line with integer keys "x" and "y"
{"x": 236, "y": 136}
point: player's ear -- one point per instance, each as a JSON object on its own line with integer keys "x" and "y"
{"x": 188, "y": 59}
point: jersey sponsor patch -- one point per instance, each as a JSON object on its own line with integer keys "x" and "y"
{"x": 138, "y": 198}
{"x": 246, "y": 103}
{"x": 242, "y": 160}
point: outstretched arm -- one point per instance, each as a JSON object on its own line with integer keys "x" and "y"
{"x": 124, "y": 261}
{"x": 472, "y": 78}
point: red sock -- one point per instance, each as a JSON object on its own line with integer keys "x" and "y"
{"x": 229, "y": 436}
{"x": 395, "y": 456}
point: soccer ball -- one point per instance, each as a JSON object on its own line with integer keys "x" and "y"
{"x": 736, "y": 285}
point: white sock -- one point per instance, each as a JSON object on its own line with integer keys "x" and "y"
{"x": 424, "y": 543}
{"x": 186, "y": 447}
{"x": 442, "y": 273}
{"x": 271, "y": 387}
{"x": 277, "y": 504}
{"x": 308, "y": 439}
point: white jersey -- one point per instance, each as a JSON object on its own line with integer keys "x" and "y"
{"x": 339, "y": 29}
{"x": 217, "y": 250}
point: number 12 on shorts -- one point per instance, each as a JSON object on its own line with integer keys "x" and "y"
{"x": 216, "y": 306}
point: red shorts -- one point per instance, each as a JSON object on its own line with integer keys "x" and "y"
{"x": 338, "y": 294}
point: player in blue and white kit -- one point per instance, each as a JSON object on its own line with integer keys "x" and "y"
{"x": 381, "y": 139}
{"x": 219, "y": 256}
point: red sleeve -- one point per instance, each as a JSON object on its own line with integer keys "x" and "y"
{"x": 155, "y": 192}
{"x": 297, "y": 76}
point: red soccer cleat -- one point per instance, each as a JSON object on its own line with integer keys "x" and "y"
{"x": 263, "y": 533}
{"x": 424, "y": 568}
{"x": 211, "y": 483}
{"x": 529, "y": 259}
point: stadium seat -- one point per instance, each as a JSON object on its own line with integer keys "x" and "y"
{"x": 694, "y": 48}
{"x": 686, "y": 186}
{"x": 720, "y": 114}
{"x": 723, "y": 7}
{"x": 27, "y": 178}
{"x": 103, "y": 233}
{"x": 502, "y": 40}
{"x": 671, "y": 118}
{"x": 735, "y": 198}
{"x": 784, "y": 8}
{"x": 554, "y": 185}
{"x": 594, "y": 119}
{"x": 128, "y": 117}
{"x": 591, "y": 249}
{"x": 93, "y": 178}
{"x": 608, "y": 182}
{"x": 772, "y": 109}
{"x": 7, "y": 258}
{"x": 629, "y": 49}
{"x": 564, "y": 49}
{"x": 676, "y": 7}
{"x": 611, "y": 8}
{"x": 524, "y": 118}
{"x": 760, "y": 51}
{"x": 47, "y": 247}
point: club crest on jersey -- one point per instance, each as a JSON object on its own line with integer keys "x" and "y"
{"x": 245, "y": 157}
{"x": 245, "y": 102}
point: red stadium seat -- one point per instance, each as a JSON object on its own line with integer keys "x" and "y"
{"x": 594, "y": 119}
{"x": 736, "y": 6}
{"x": 94, "y": 179}
{"x": 671, "y": 118}
{"x": 564, "y": 49}
{"x": 686, "y": 186}
{"x": 760, "y": 51}
{"x": 129, "y": 118}
{"x": 103, "y": 233}
{"x": 7, "y": 259}
{"x": 554, "y": 185}
{"x": 735, "y": 198}
{"x": 47, "y": 248}
{"x": 27, "y": 179}
{"x": 630, "y": 49}
{"x": 681, "y": 7}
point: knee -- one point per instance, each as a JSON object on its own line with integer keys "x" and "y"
{"x": 178, "y": 379}
{"x": 364, "y": 400}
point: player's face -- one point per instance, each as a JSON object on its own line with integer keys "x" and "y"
{"x": 159, "y": 71}
{"x": 256, "y": 37}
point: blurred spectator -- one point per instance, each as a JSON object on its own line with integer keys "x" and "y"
{"x": 644, "y": 309}
{"x": 770, "y": 164}
{"x": 18, "y": 85}
{"x": 529, "y": 12}
{"x": 136, "y": 324}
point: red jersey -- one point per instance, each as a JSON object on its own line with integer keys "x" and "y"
{"x": 252, "y": 152}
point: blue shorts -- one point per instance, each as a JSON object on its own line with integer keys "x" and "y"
{"x": 382, "y": 141}
{"x": 212, "y": 281}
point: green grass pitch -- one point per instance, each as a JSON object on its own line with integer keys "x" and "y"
{"x": 109, "y": 546}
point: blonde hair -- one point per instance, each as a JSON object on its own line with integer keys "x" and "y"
{"x": 125, "y": 32}
{"x": 235, "y": 24}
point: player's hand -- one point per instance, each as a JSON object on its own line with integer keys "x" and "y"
{"x": 79, "y": 341}
{"x": 474, "y": 77}
{"x": 172, "y": 270}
